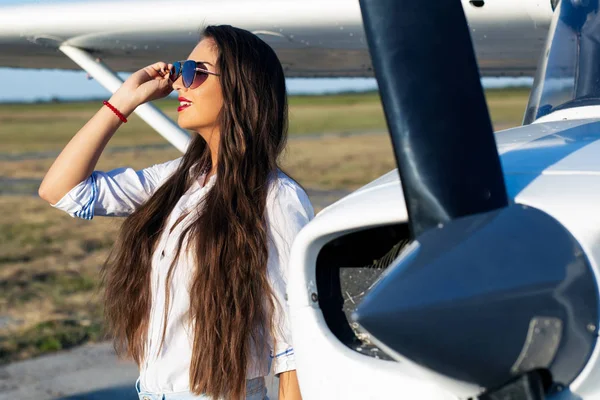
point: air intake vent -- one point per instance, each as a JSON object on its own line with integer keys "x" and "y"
{"x": 347, "y": 268}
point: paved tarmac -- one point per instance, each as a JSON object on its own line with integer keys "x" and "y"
{"x": 89, "y": 372}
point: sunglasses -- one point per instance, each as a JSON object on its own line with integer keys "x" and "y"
{"x": 194, "y": 73}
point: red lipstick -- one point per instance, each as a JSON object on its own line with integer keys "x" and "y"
{"x": 184, "y": 103}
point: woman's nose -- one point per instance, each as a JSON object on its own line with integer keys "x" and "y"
{"x": 178, "y": 83}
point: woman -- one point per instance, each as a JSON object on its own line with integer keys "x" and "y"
{"x": 195, "y": 284}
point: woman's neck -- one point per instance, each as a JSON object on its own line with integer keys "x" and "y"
{"x": 209, "y": 174}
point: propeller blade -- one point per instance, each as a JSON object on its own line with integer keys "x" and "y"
{"x": 435, "y": 109}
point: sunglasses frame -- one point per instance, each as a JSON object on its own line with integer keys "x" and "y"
{"x": 180, "y": 67}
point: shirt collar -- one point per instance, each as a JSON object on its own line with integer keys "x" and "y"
{"x": 208, "y": 184}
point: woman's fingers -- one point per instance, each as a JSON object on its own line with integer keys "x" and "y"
{"x": 159, "y": 66}
{"x": 157, "y": 70}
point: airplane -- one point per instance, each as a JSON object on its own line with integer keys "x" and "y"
{"x": 470, "y": 271}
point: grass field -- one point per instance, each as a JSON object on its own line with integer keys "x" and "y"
{"x": 49, "y": 262}
{"x": 48, "y": 127}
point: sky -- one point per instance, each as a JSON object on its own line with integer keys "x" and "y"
{"x": 24, "y": 85}
{"x": 29, "y": 85}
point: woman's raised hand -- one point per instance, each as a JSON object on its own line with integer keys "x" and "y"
{"x": 150, "y": 83}
{"x": 147, "y": 84}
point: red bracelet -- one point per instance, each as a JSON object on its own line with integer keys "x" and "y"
{"x": 121, "y": 116}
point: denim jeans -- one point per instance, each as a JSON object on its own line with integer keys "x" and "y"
{"x": 255, "y": 390}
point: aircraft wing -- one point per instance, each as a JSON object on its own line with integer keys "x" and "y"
{"x": 312, "y": 37}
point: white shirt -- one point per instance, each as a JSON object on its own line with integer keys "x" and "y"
{"x": 119, "y": 192}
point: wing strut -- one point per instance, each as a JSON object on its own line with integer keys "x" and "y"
{"x": 111, "y": 81}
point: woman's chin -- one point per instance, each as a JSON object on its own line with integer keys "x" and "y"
{"x": 184, "y": 124}
{"x": 189, "y": 122}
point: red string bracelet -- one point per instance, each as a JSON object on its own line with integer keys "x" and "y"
{"x": 121, "y": 116}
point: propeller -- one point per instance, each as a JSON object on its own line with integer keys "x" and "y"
{"x": 487, "y": 292}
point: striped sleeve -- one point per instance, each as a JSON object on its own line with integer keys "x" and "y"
{"x": 87, "y": 210}
{"x": 115, "y": 193}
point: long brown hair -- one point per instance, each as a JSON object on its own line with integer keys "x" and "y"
{"x": 231, "y": 303}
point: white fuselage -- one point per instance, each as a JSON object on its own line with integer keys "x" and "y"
{"x": 552, "y": 165}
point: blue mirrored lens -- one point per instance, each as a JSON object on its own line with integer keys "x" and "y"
{"x": 174, "y": 73}
{"x": 188, "y": 72}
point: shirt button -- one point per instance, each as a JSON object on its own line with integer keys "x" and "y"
{"x": 162, "y": 254}
{"x": 146, "y": 398}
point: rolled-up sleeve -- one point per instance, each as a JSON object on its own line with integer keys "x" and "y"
{"x": 288, "y": 210}
{"x": 115, "y": 193}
